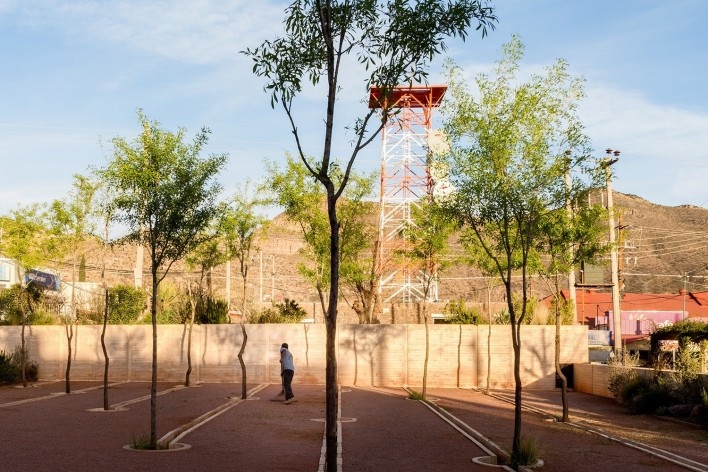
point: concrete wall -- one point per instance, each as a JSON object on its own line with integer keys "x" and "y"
{"x": 595, "y": 378}
{"x": 381, "y": 355}
{"x": 592, "y": 378}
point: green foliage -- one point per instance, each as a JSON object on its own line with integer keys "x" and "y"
{"x": 427, "y": 238}
{"x": 125, "y": 304}
{"x": 32, "y": 299}
{"x": 566, "y": 312}
{"x": 9, "y": 370}
{"x": 289, "y": 311}
{"x": 642, "y": 395}
{"x": 658, "y": 392}
{"x": 456, "y": 312}
{"x": 294, "y": 189}
{"x": 413, "y": 395}
{"x": 504, "y": 317}
{"x": 528, "y": 451}
{"x": 212, "y": 310}
{"x": 25, "y": 237}
{"x": 239, "y": 229}
{"x": 172, "y": 304}
{"x": 11, "y": 367}
{"x": 393, "y": 43}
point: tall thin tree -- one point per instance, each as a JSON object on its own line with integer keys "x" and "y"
{"x": 164, "y": 188}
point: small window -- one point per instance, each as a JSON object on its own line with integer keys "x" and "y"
{"x": 438, "y": 318}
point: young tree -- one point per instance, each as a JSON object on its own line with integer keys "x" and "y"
{"x": 206, "y": 256}
{"x": 568, "y": 237}
{"x": 106, "y": 212}
{"x": 508, "y": 163}
{"x": 72, "y": 221}
{"x": 393, "y": 43}
{"x": 239, "y": 229}
{"x": 427, "y": 238}
{"x": 24, "y": 238}
{"x": 294, "y": 189}
{"x": 164, "y": 188}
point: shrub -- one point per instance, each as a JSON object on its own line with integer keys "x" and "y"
{"x": 286, "y": 312}
{"x": 531, "y": 304}
{"x": 9, "y": 370}
{"x": 457, "y": 313}
{"x": 31, "y": 299}
{"x": 211, "y": 310}
{"x": 125, "y": 304}
{"x": 528, "y": 451}
{"x": 566, "y": 312}
{"x": 11, "y": 367}
{"x": 413, "y": 395}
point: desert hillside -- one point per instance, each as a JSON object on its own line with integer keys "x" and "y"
{"x": 663, "y": 249}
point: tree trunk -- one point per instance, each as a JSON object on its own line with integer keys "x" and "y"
{"x": 489, "y": 337}
{"x": 559, "y": 372}
{"x": 69, "y": 329}
{"x": 331, "y": 326}
{"x": 193, "y": 309}
{"x": 516, "y": 344}
{"x": 105, "y": 316}
{"x": 244, "y": 383}
{"x": 244, "y": 390}
{"x": 23, "y": 352}
{"x": 427, "y": 353}
{"x": 516, "y": 445}
{"x": 189, "y": 349}
{"x": 153, "y": 380}
{"x": 23, "y": 348}
{"x": 68, "y": 324}
{"x": 105, "y": 351}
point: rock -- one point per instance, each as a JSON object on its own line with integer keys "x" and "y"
{"x": 681, "y": 411}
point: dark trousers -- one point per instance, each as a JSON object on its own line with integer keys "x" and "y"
{"x": 287, "y": 383}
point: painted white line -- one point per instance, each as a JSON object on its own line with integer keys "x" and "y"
{"x": 58, "y": 394}
{"x": 146, "y": 397}
{"x": 651, "y": 450}
{"x": 174, "y": 436}
{"x": 323, "y": 451}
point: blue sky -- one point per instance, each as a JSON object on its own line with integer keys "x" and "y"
{"x": 73, "y": 74}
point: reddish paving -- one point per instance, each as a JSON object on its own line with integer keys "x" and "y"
{"x": 60, "y": 433}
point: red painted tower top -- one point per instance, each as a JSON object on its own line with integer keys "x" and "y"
{"x": 404, "y": 96}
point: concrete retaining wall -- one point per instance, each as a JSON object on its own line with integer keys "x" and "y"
{"x": 595, "y": 378}
{"x": 381, "y": 355}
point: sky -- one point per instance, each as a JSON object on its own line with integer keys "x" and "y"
{"x": 74, "y": 73}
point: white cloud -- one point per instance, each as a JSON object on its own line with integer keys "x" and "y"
{"x": 207, "y": 31}
{"x": 664, "y": 148}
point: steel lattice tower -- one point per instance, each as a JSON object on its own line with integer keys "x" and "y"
{"x": 405, "y": 181}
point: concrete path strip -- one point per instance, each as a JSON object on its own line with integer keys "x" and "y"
{"x": 173, "y": 437}
{"x": 58, "y": 394}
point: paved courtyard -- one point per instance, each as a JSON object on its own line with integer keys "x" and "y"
{"x": 41, "y": 428}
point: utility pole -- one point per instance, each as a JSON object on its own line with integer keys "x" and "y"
{"x": 616, "y": 313}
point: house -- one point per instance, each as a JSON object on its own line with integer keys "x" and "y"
{"x": 8, "y": 273}
{"x": 641, "y": 314}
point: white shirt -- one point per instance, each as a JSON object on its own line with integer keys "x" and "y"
{"x": 286, "y": 360}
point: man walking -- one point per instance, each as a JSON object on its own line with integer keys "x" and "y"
{"x": 287, "y": 371}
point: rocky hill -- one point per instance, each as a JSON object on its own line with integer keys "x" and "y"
{"x": 662, "y": 249}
